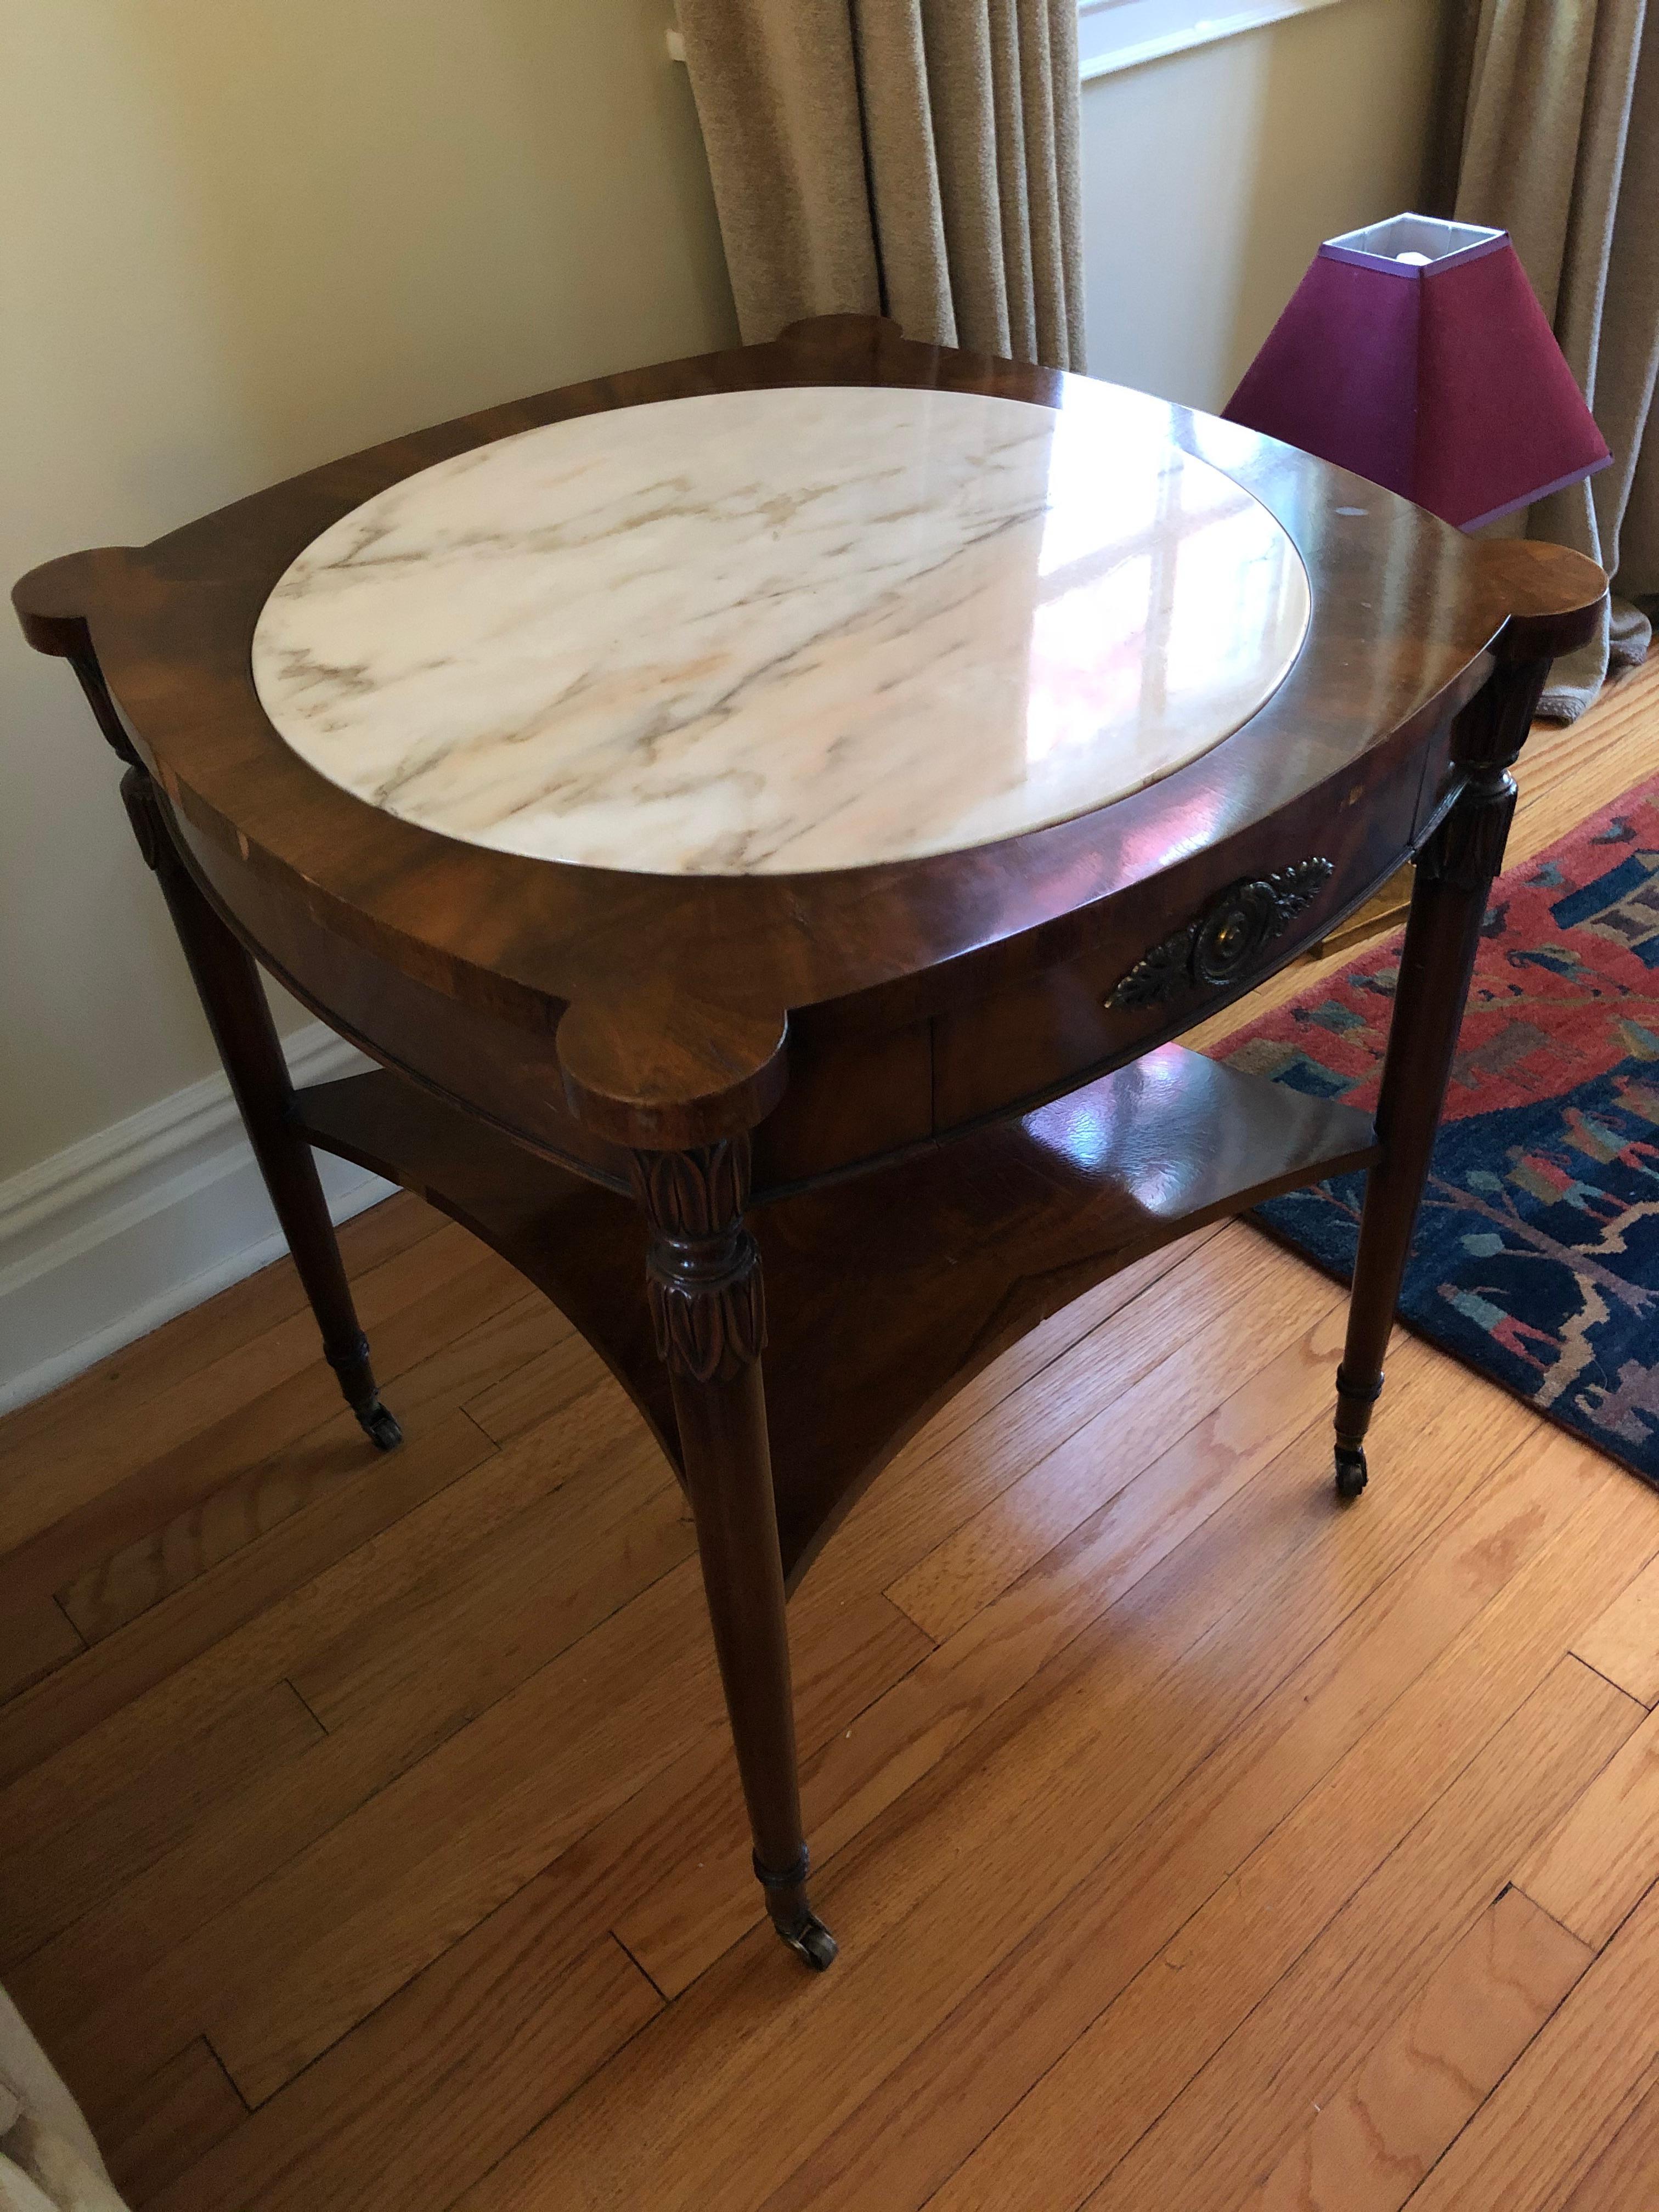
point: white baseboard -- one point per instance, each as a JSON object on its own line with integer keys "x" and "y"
{"x": 111, "y": 1237}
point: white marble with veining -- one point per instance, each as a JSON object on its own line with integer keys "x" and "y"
{"x": 782, "y": 630}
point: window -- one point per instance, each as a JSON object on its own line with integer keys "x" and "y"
{"x": 1117, "y": 35}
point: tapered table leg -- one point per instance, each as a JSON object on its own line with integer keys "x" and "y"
{"x": 707, "y": 1302}
{"x": 227, "y": 983}
{"x": 1454, "y": 872}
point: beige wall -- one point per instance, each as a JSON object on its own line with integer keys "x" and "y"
{"x": 238, "y": 237}
{"x": 1210, "y": 179}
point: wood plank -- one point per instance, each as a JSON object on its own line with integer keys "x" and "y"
{"x": 541, "y": 1389}
{"x": 353, "y": 1495}
{"x": 75, "y": 1477}
{"x": 40, "y": 1637}
{"x": 357, "y": 1867}
{"x": 1396, "y": 1600}
{"x": 1373, "y": 2141}
{"x": 420, "y": 1900}
{"x": 1605, "y": 1854}
{"x": 1623, "y": 1642}
{"x": 177, "y": 1668}
{"x": 1131, "y": 1714}
{"x": 104, "y": 1953}
{"x": 118, "y": 1589}
{"x": 699, "y": 2136}
{"x": 240, "y": 1842}
{"x": 192, "y": 1341}
{"x": 313, "y": 1950}
{"x": 305, "y": 1620}
{"x": 169, "y": 2121}
{"x": 436, "y": 2085}
{"x": 1276, "y": 1996}
{"x": 952, "y": 1467}
{"x": 206, "y": 1457}
{"x": 700, "y": 1906}
{"x": 48, "y": 1881}
{"x": 1141, "y": 1410}
{"x": 477, "y": 1626}
{"x": 1568, "y": 2095}
{"x": 1626, "y": 2177}
{"x": 1039, "y": 1354}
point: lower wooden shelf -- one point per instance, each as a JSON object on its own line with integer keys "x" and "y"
{"x": 887, "y": 1290}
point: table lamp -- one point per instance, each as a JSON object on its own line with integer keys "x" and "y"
{"x": 1413, "y": 352}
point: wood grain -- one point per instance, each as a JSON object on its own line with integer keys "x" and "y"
{"x": 59, "y": 1876}
{"x": 1605, "y": 1855}
{"x": 447, "y": 943}
{"x": 697, "y": 1909}
{"x": 1132, "y": 1408}
{"x": 479, "y": 1625}
{"x": 723, "y": 2157}
{"x": 1373, "y": 2141}
{"x": 1015, "y": 1657}
{"x": 170, "y": 2121}
{"x": 94, "y": 1486}
{"x": 179, "y": 1667}
{"x": 1623, "y": 1642}
{"x": 1229, "y": 2124}
{"x": 296, "y": 1481}
{"x": 1567, "y": 2097}
{"x": 40, "y": 1637}
{"x": 976, "y": 2068}
{"x": 106, "y": 1400}
{"x": 1626, "y": 2177}
{"x": 491, "y": 2037}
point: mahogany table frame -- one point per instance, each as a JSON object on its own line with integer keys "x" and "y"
{"x": 923, "y": 1105}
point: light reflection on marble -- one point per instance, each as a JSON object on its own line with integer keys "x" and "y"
{"x": 783, "y": 630}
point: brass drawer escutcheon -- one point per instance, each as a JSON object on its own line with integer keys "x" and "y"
{"x": 1217, "y": 945}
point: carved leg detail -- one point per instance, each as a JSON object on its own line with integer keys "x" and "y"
{"x": 1454, "y": 872}
{"x": 227, "y": 983}
{"x": 703, "y": 1277}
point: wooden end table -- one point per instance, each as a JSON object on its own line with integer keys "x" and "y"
{"x": 768, "y": 815}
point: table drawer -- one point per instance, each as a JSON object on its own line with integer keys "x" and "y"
{"x": 1152, "y": 970}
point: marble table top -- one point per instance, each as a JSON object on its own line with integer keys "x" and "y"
{"x": 784, "y": 630}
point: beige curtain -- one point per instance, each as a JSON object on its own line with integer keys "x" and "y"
{"x": 915, "y": 158}
{"x": 1552, "y": 107}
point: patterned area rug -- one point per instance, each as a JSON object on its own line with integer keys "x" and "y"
{"x": 1537, "y": 1260}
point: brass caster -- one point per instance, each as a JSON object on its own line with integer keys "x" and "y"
{"x": 1351, "y": 1474}
{"x": 380, "y": 1426}
{"x": 811, "y": 1940}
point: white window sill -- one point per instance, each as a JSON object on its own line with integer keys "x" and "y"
{"x": 1122, "y": 34}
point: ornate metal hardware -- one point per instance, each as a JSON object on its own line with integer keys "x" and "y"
{"x": 1217, "y": 945}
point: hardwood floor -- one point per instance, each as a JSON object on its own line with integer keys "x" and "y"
{"x": 369, "y": 1839}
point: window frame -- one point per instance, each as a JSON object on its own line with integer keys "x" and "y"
{"x": 1150, "y": 30}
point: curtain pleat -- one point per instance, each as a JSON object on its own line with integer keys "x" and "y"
{"x": 1556, "y": 109}
{"x": 915, "y": 157}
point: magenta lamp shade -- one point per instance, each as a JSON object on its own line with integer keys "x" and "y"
{"x": 1414, "y": 353}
